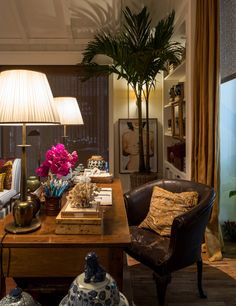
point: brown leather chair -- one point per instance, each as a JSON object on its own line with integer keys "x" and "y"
{"x": 165, "y": 255}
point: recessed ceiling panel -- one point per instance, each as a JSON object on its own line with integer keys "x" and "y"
{"x": 9, "y": 27}
{"x": 42, "y": 19}
{"x": 87, "y": 16}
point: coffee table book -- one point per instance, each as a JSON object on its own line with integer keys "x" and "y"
{"x": 68, "y": 211}
{"x": 80, "y": 224}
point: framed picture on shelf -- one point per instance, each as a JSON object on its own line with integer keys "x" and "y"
{"x": 176, "y": 119}
{"x": 184, "y": 118}
{"x": 129, "y": 147}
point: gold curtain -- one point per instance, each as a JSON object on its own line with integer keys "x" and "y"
{"x": 205, "y": 145}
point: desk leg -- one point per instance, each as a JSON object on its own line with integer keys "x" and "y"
{"x": 116, "y": 266}
{"x": 3, "y": 287}
{"x": 2, "y": 278}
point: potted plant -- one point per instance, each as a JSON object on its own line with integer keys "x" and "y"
{"x": 230, "y": 226}
{"x": 56, "y": 167}
{"x": 138, "y": 52}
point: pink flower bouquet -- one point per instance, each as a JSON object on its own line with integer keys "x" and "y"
{"x": 58, "y": 161}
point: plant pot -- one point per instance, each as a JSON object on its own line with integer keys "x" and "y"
{"x": 139, "y": 178}
{"x": 52, "y": 206}
{"x": 229, "y": 228}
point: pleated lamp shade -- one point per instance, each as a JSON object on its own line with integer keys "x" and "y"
{"x": 68, "y": 110}
{"x": 26, "y": 97}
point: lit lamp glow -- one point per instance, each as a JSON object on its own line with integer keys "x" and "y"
{"x": 68, "y": 111}
{"x": 25, "y": 99}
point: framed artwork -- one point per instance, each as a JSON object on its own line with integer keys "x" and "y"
{"x": 176, "y": 119}
{"x": 184, "y": 117}
{"x": 128, "y": 144}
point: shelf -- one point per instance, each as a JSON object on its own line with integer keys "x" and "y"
{"x": 169, "y": 134}
{"x": 177, "y": 73}
{"x": 175, "y": 171}
{"x": 177, "y": 101}
{"x": 168, "y": 105}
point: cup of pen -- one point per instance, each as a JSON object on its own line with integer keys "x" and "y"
{"x": 54, "y": 190}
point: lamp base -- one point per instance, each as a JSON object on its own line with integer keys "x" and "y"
{"x": 12, "y": 228}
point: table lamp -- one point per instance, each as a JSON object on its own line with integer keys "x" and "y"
{"x": 25, "y": 99}
{"x": 69, "y": 112}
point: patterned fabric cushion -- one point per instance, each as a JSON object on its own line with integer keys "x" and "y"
{"x": 165, "y": 206}
{"x": 2, "y": 177}
{"x": 7, "y": 168}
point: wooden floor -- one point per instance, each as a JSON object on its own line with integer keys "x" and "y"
{"x": 219, "y": 281}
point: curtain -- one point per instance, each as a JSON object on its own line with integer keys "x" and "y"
{"x": 205, "y": 145}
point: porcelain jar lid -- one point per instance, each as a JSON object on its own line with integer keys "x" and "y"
{"x": 100, "y": 292}
{"x": 96, "y": 157}
{"x": 17, "y": 297}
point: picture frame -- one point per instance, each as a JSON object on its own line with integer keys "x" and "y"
{"x": 128, "y": 144}
{"x": 183, "y": 105}
{"x": 176, "y": 126}
{"x": 177, "y": 120}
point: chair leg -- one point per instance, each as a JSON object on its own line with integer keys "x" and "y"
{"x": 161, "y": 285}
{"x": 199, "y": 279}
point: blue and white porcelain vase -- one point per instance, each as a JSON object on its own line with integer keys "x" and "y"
{"x": 94, "y": 287}
{"x": 96, "y": 161}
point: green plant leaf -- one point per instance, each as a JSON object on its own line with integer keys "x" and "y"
{"x": 232, "y": 193}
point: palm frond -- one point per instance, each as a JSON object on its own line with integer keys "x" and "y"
{"x": 136, "y": 28}
{"x": 163, "y": 32}
{"x": 103, "y": 44}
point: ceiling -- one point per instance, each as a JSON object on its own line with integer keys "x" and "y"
{"x": 63, "y": 25}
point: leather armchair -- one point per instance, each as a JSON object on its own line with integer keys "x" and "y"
{"x": 165, "y": 255}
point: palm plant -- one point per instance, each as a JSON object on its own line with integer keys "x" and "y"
{"x": 138, "y": 52}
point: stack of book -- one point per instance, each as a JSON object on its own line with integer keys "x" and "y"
{"x": 73, "y": 220}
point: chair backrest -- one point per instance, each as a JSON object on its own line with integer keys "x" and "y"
{"x": 137, "y": 202}
{"x": 16, "y": 174}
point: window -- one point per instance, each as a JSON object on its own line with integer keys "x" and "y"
{"x": 88, "y": 139}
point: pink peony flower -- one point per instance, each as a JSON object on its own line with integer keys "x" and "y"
{"x": 58, "y": 161}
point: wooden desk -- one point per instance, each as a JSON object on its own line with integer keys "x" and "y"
{"x": 45, "y": 254}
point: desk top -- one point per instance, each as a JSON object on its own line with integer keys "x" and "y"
{"x": 115, "y": 231}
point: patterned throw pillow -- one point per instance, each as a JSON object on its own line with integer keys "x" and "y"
{"x": 2, "y": 177}
{"x": 7, "y": 169}
{"x": 165, "y": 206}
